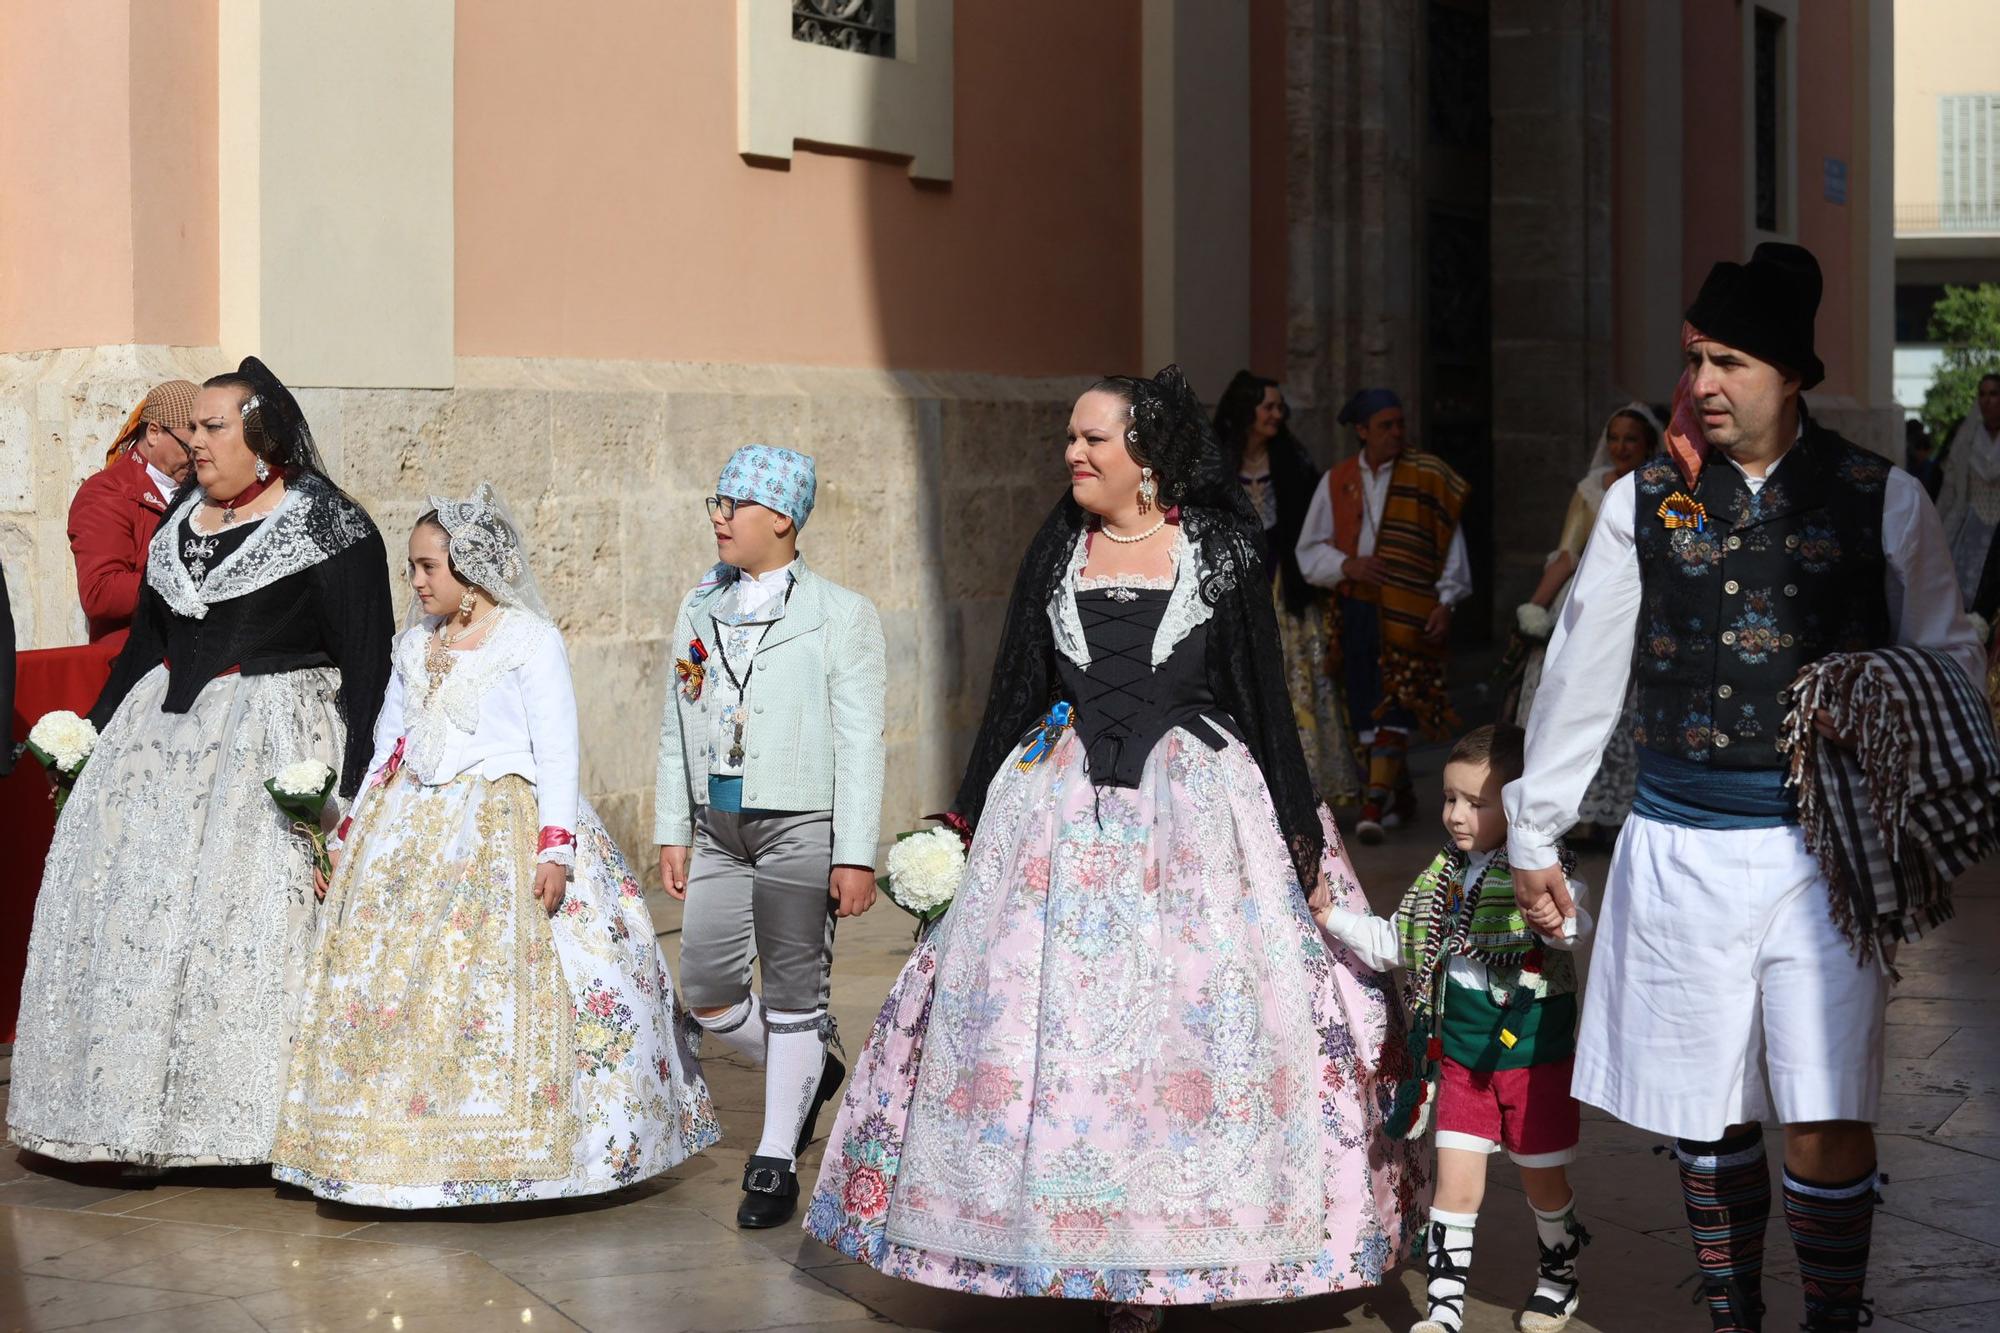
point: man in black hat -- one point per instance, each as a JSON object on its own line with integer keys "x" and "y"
{"x": 1722, "y": 994}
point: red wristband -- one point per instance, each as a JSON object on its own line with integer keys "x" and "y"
{"x": 555, "y": 837}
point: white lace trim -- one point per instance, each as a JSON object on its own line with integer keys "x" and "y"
{"x": 428, "y": 722}
{"x": 1106, "y": 582}
{"x": 308, "y": 525}
{"x": 1063, "y": 616}
{"x": 1185, "y": 607}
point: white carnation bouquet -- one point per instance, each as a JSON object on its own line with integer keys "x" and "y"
{"x": 924, "y": 870}
{"x": 302, "y": 791}
{"x": 61, "y": 742}
{"x": 1534, "y": 622}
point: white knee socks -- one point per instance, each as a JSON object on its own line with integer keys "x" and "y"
{"x": 1447, "y": 1258}
{"x": 1561, "y": 1241}
{"x": 797, "y": 1058}
{"x": 740, "y": 1029}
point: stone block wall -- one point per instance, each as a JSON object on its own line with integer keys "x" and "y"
{"x": 930, "y": 486}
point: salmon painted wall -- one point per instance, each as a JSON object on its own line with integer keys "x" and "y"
{"x": 603, "y": 210}
{"x": 107, "y": 146}
{"x": 1713, "y": 104}
{"x": 1825, "y": 104}
{"x": 174, "y": 228}
{"x": 1715, "y": 216}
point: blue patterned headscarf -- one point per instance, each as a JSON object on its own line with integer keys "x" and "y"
{"x": 780, "y": 479}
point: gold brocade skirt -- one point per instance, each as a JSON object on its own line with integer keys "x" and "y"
{"x": 459, "y": 1044}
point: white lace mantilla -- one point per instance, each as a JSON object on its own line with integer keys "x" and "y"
{"x": 427, "y": 717}
{"x": 311, "y": 523}
{"x": 1185, "y": 607}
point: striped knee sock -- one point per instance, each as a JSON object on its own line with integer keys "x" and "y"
{"x": 1831, "y": 1226}
{"x": 1385, "y": 765}
{"x": 1726, "y": 1186}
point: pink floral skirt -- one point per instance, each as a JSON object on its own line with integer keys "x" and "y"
{"x": 1127, "y": 1065}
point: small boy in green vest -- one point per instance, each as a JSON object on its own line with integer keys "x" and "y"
{"x": 1493, "y": 1035}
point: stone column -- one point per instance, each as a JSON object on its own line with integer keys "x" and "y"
{"x": 1551, "y": 104}
{"x": 1352, "y": 198}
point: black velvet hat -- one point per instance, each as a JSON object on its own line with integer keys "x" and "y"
{"x": 1765, "y": 308}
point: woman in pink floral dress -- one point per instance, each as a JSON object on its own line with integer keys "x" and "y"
{"x": 1127, "y": 1066}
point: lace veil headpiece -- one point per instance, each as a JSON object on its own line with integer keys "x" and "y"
{"x": 490, "y": 549}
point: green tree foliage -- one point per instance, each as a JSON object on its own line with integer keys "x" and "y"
{"x": 1967, "y": 322}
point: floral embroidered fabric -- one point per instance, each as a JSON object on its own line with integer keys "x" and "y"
{"x": 172, "y": 930}
{"x": 460, "y": 1045}
{"x": 1126, "y": 1065}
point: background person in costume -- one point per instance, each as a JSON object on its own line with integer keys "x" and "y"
{"x": 769, "y": 799}
{"x": 1383, "y": 533}
{"x": 1629, "y": 438}
{"x": 1968, "y": 496}
{"x": 176, "y": 911}
{"x": 479, "y": 894}
{"x": 1125, "y": 1066}
{"x": 1722, "y": 993}
{"x": 1280, "y": 478}
{"x": 116, "y": 511}
{"x": 1502, "y": 1007}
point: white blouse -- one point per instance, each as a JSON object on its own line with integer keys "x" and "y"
{"x": 506, "y": 707}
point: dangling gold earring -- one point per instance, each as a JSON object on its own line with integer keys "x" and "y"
{"x": 465, "y": 605}
{"x": 1147, "y": 490}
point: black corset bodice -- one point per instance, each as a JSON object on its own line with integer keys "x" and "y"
{"x": 1123, "y": 704}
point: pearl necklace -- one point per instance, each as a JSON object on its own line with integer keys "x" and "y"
{"x": 1138, "y": 537}
{"x": 444, "y": 631}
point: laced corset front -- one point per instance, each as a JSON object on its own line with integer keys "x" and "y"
{"x": 1123, "y": 703}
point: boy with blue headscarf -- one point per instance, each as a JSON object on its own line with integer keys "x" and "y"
{"x": 769, "y": 799}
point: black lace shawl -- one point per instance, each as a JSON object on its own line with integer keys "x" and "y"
{"x": 1244, "y": 665}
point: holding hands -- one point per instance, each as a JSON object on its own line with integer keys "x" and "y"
{"x": 1543, "y": 897}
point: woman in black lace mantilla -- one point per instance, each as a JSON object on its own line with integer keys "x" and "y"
{"x": 1126, "y": 1066}
{"x": 177, "y": 904}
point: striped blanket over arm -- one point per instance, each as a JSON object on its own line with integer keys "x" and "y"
{"x": 1912, "y": 806}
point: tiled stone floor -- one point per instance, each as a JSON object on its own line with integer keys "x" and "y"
{"x": 228, "y": 1252}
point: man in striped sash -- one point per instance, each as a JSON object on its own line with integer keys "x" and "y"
{"x": 1383, "y": 533}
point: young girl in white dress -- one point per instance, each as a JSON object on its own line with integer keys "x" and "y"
{"x": 488, "y": 1014}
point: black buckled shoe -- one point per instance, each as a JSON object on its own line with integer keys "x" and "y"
{"x": 831, "y": 1075}
{"x": 770, "y": 1193}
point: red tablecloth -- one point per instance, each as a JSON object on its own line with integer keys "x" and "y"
{"x": 44, "y": 680}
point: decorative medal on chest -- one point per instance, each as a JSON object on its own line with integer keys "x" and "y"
{"x": 1681, "y": 510}
{"x": 692, "y": 671}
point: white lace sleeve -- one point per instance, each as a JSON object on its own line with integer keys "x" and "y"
{"x": 1064, "y": 620}
{"x": 1186, "y": 608}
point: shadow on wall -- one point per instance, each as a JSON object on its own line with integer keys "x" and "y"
{"x": 996, "y": 296}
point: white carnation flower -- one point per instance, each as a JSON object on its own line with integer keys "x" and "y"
{"x": 924, "y": 869}
{"x": 305, "y": 778}
{"x": 65, "y": 738}
{"x": 1537, "y": 622}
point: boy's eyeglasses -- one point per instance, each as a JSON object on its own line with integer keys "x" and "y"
{"x": 725, "y": 506}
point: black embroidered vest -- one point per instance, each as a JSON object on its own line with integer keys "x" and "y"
{"x": 1732, "y": 609}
